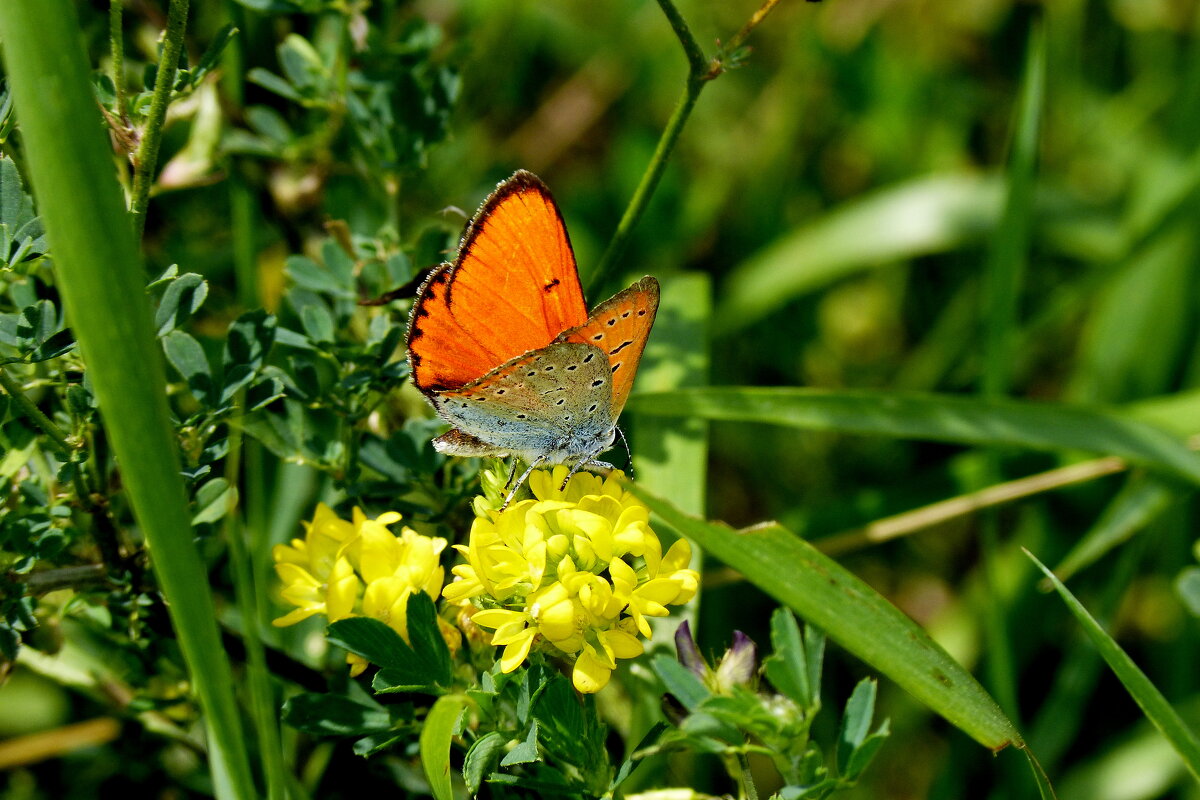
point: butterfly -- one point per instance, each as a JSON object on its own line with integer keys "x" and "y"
{"x": 501, "y": 343}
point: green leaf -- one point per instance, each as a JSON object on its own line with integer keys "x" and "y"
{"x": 526, "y": 752}
{"x": 249, "y": 340}
{"x": 635, "y": 757}
{"x": 37, "y": 324}
{"x": 421, "y": 667}
{"x": 681, "y": 682}
{"x": 214, "y": 500}
{"x": 317, "y": 322}
{"x": 335, "y": 715}
{"x": 787, "y": 667}
{"x": 481, "y": 759}
{"x": 856, "y": 722}
{"x": 1153, "y": 704}
{"x": 301, "y": 65}
{"x": 212, "y": 54}
{"x": 186, "y": 355}
{"x": 273, "y": 83}
{"x": 181, "y": 299}
{"x": 426, "y": 637}
{"x": 308, "y": 274}
{"x": 945, "y": 418}
{"x": 371, "y": 639}
{"x": 437, "y": 734}
{"x": 851, "y": 613}
{"x": 1187, "y": 584}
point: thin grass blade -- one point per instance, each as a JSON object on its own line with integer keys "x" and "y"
{"x": 944, "y": 418}
{"x": 1156, "y": 707}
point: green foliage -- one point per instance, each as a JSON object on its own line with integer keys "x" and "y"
{"x": 871, "y": 217}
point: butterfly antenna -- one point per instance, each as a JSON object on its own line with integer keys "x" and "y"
{"x": 628, "y": 452}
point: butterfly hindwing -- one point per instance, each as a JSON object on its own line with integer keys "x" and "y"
{"x": 513, "y": 287}
{"x": 619, "y": 327}
{"x": 558, "y": 397}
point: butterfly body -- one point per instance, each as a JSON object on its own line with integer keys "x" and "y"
{"x": 502, "y": 345}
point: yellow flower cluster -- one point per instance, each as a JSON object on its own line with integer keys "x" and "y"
{"x": 576, "y": 568}
{"x": 348, "y": 568}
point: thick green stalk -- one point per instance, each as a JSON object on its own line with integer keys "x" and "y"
{"x": 164, "y": 84}
{"x": 100, "y": 277}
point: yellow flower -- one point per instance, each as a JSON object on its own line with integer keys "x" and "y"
{"x": 576, "y": 569}
{"x": 358, "y": 567}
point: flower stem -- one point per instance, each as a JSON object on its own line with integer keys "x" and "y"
{"x": 262, "y": 698}
{"x": 35, "y": 415}
{"x": 700, "y": 71}
{"x": 750, "y": 25}
{"x": 117, "y": 44}
{"x": 697, "y": 69}
{"x": 164, "y": 84}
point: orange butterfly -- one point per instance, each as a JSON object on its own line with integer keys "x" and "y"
{"x": 501, "y": 343}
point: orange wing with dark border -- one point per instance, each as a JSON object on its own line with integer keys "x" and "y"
{"x": 513, "y": 287}
{"x": 620, "y": 326}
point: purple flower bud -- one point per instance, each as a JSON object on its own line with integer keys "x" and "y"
{"x": 689, "y": 654}
{"x": 740, "y": 663}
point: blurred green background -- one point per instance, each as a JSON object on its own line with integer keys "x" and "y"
{"x": 839, "y": 191}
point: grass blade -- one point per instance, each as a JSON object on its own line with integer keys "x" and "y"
{"x": 927, "y": 215}
{"x": 100, "y": 277}
{"x": 1153, "y": 704}
{"x": 853, "y": 614}
{"x": 436, "y": 736}
{"x": 1138, "y": 504}
{"x": 943, "y": 418}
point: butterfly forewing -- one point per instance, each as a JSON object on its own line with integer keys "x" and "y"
{"x": 619, "y": 327}
{"x": 537, "y": 401}
{"x": 512, "y": 289}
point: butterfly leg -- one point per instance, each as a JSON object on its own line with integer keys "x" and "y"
{"x": 521, "y": 482}
{"x": 511, "y": 474}
{"x": 587, "y": 462}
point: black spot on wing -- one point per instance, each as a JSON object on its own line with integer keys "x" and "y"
{"x": 550, "y": 286}
{"x": 620, "y": 347}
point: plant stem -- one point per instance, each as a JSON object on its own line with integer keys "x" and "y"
{"x": 116, "y": 37}
{"x": 697, "y": 70}
{"x": 697, "y": 63}
{"x": 50, "y": 580}
{"x": 750, "y": 25}
{"x": 700, "y": 71}
{"x": 262, "y": 700}
{"x": 164, "y": 84}
{"x": 35, "y": 415}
